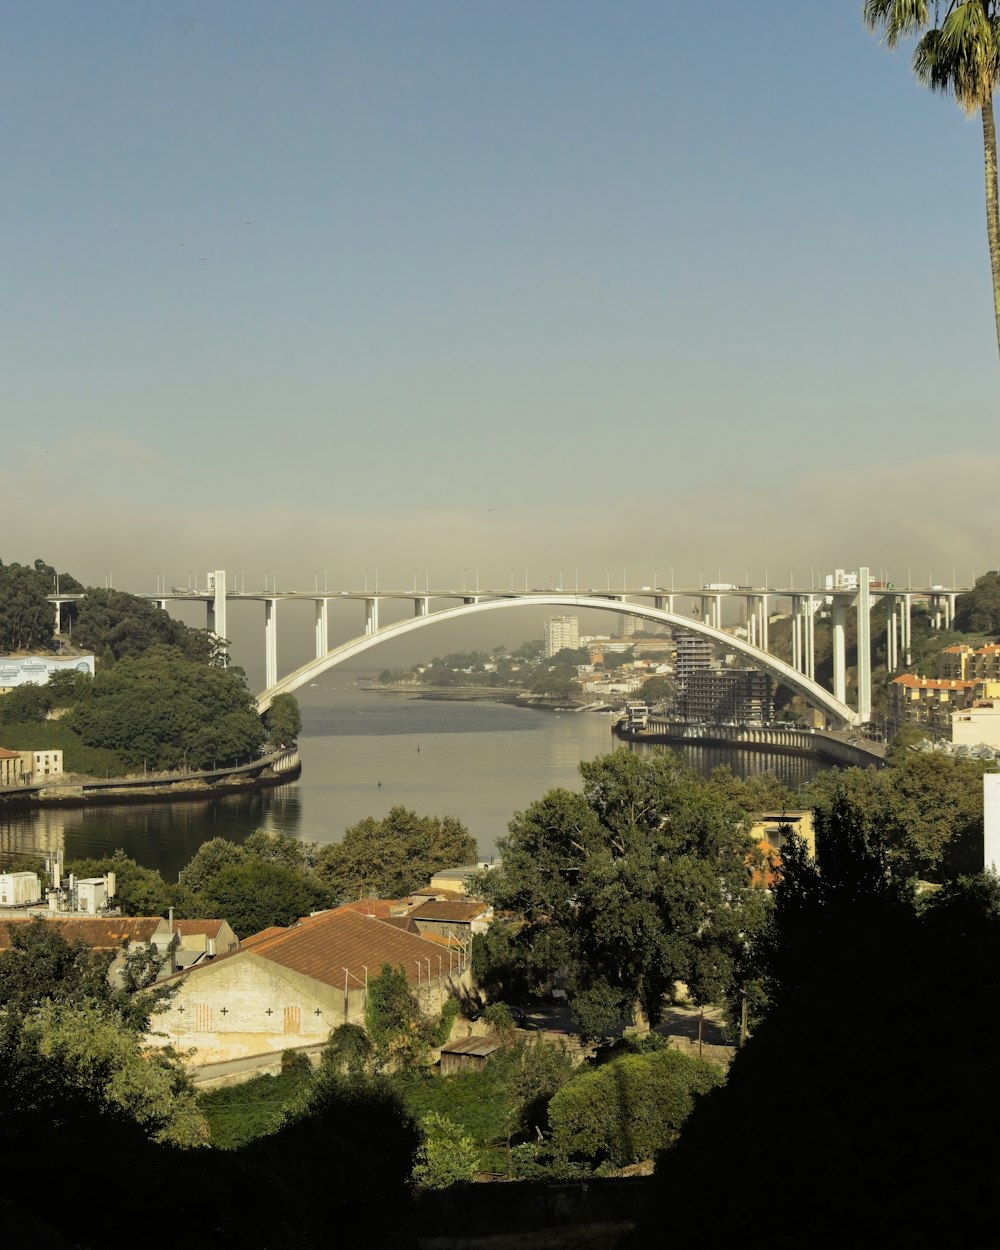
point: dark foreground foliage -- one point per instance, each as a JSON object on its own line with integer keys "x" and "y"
{"x": 862, "y": 1112}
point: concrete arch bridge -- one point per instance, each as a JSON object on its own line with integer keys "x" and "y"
{"x": 835, "y": 709}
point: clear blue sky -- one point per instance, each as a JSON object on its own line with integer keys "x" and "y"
{"x": 559, "y": 284}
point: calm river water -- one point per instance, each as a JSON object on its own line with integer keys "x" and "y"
{"x": 480, "y": 762}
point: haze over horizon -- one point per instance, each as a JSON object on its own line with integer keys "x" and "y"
{"x": 429, "y": 289}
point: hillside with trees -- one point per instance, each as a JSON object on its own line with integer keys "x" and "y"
{"x": 163, "y": 697}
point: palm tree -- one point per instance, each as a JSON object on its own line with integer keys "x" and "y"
{"x": 959, "y": 54}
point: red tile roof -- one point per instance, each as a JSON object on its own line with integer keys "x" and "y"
{"x": 323, "y": 946}
{"x": 198, "y": 928}
{"x": 101, "y": 932}
{"x": 448, "y": 910}
{"x": 382, "y": 908}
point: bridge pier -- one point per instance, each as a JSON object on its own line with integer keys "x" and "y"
{"x": 839, "y": 651}
{"x": 864, "y": 647}
{"x": 217, "y": 605}
{"x": 322, "y": 627}
{"x": 421, "y": 606}
{"x": 371, "y": 616}
{"x": 892, "y": 636}
{"x": 271, "y": 642}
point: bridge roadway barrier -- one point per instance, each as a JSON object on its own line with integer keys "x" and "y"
{"x": 843, "y": 748}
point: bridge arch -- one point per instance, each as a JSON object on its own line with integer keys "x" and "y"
{"x": 811, "y": 690}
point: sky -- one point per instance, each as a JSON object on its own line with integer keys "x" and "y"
{"x": 430, "y": 287}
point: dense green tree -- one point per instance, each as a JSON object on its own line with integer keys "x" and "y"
{"x": 393, "y": 1018}
{"x": 118, "y": 625}
{"x": 391, "y": 856}
{"x": 637, "y": 883}
{"x": 254, "y": 895}
{"x": 39, "y": 965}
{"x": 957, "y": 53}
{"x": 207, "y": 862}
{"x": 163, "y": 711}
{"x": 283, "y": 720}
{"x": 924, "y": 812}
{"x": 858, "y": 966}
{"x": 349, "y": 1050}
{"x": 446, "y": 1156}
{"x": 26, "y": 617}
{"x": 99, "y": 1059}
{"x": 660, "y": 689}
{"x": 557, "y": 683}
{"x": 25, "y": 705}
{"x": 978, "y": 612}
{"x": 627, "y": 1110}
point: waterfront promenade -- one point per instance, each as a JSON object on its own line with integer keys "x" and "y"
{"x": 273, "y": 769}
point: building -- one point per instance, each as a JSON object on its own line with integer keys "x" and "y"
{"x": 927, "y": 701}
{"x": 560, "y": 632}
{"x": 452, "y": 920}
{"x": 693, "y": 654}
{"x": 965, "y": 663}
{"x": 25, "y": 670}
{"x": 290, "y": 987}
{"x": 978, "y": 725}
{"x": 740, "y": 695}
{"x": 776, "y": 828}
{"x": 38, "y": 765}
{"x": 11, "y": 767}
{"x": 121, "y": 934}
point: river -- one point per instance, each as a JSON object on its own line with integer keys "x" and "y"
{"x": 362, "y": 753}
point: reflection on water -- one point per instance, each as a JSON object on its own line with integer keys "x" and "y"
{"x": 363, "y": 753}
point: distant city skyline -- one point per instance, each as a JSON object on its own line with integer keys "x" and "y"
{"x": 433, "y": 289}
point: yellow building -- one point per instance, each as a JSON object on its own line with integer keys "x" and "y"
{"x": 11, "y": 767}
{"x": 956, "y": 663}
{"x": 978, "y": 725}
{"x": 927, "y": 701}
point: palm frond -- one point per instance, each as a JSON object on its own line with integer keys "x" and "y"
{"x": 896, "y": 19}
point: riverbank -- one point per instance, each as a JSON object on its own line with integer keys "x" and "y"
{"x": 275, "y": 769}
{"x": 840, "y": 748}
{"x": 483, "y": 694}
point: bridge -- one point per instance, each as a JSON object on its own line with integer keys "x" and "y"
{"x": 655, "y": 604}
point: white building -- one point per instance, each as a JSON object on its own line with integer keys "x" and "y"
{"x": 560, "y": 632}
{"x": 25, "y": 670}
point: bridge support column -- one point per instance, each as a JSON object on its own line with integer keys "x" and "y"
{"x": 421, "y": 606}
{"x": 796, "y": 634}
{"x": 322, "y": 627}
{"x": 839, "y": 651}
{"x": 270, "y": 643}
{"x": 58, "y": 623}
{"x": 892, "y": 636}
{"x": 217, "y": 607}
{"x": 371, "y": 616}
{"x": 810, "y": 624}
{"x": 906, "y": 622}
{"x": 763, "y": 623}
{"x": 864, "y": 647}
{"x": 949, "y": 622}
{"x": 752, "y": 620}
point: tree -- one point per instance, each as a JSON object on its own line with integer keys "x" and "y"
{"x": 392, "y": 1017}
{"x": 27, "y": 704}
{"x": 446, "y": 1156}
{"x": 959, "y": 57}
{"x": 388, "y": 858}
{"x": 978, "y": 612}
{"x": 924, "y": 813}
{"x": 117, "y": 625}
{"x": 254, "y": 895}
{"x": 26, "y": 618}
{"x": 39, "y": 965}
{"x": 99, "y": 1059}
{"x": 627, "y": 1110}
{"x": 163, "y": 710}
{"x": 658, "y": 689}
{"x": 641, "y": 881}
{"x": 283, "y": 720}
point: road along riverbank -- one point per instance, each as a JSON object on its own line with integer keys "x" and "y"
{"x": 269, "y": 770}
